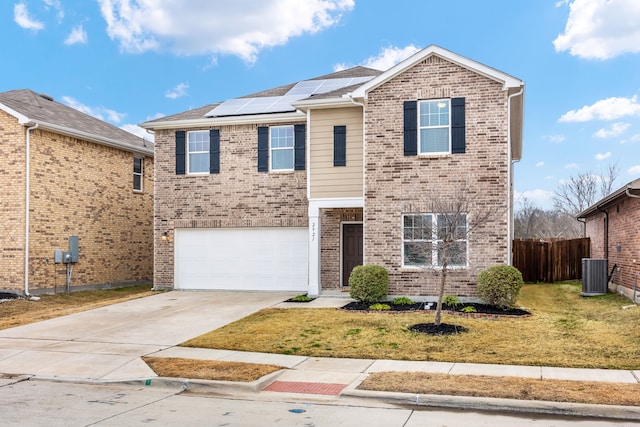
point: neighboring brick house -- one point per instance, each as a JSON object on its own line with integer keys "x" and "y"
{"x": 65, "y": 173}
{"x": 289, "y": 188}
{"x": 612, "y": 226}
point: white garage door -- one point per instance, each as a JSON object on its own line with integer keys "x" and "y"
{"x": 271, "y": 259}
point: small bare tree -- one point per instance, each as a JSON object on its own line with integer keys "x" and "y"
{"x": 436, "y": 236}
{"x": 581, "y": 191}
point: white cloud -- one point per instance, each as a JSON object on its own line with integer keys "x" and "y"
{"x": 233, "y": 27}
{"x": 601, "y": 29}
{"x": 138, "y": 131}
{"x": 22, "y": 18}
{"x": 57, "y": 6}
{"x": 385, "y": 59}
{"x": 541, "y": 198}
{"x": 179, "y": 91}
{"x": 571, "y": 166}
{"x": 556, "y": 139}
{"x": 615, "y": 130}
{"x": 539, "y": 164}
{"x": 634, "y": 170}
{"x": 97, "y": 112}
{"x": 77, "y": 35}
{"x": 602, "y": 156}
{"x": 605, "y": 109}
{"x": 634, "y": 138}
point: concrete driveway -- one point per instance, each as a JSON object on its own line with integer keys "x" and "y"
{"x": 106, "y": 343}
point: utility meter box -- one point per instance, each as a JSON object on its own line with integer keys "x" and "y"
{"x": 57, "y": 256}
{"x": 73, "y": 248}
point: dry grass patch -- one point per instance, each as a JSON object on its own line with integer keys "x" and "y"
{"x": 208, "y": 369}
{"x": 18, "y": 312}
{"x": 565, "y": 330}
{"x": 505, "y": 387}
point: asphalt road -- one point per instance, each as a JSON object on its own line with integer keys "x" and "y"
{"x": 47, "y": 403}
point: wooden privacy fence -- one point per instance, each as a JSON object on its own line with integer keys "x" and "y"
{"x": 550, "y": 260}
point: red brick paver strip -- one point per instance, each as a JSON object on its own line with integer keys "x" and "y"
{"x": 305, "y": 387}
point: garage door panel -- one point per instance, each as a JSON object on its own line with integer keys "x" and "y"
{"x": 242, "y": 259}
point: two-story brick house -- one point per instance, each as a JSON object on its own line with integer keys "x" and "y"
{"x": 65, "y": 173}
{"x": 289, "y": 188}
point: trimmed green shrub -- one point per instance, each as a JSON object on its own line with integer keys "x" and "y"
{"x": 369, "y": 283}
{"x": 499, "y": 285}
{"x": 379, "y": 307}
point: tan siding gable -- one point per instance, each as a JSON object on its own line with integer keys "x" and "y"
{"x": 326, "y": 180}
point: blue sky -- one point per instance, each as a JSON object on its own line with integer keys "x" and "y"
{"x": 129, "y": 61}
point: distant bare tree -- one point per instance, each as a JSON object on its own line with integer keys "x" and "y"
{"x": 532, "y": 222}
{"x": 581, "y": 191}
{"x": 436, "y": 237}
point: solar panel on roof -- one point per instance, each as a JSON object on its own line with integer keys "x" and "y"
{"x": 282, "y": 104}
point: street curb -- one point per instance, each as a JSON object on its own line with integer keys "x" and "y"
{"x": 204, "y": 386}
{"x": 496, "y": 404}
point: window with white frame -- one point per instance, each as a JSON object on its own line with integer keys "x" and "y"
{"x": 198, "y": 151}
{"x": 434, "y": 124}
{"x": 430, "y": 239}
{"x": 282, "y": 147}
{"x": 137, "y": 173}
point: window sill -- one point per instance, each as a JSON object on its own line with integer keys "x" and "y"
{"x": 138, "y": 191}
{"x": 278, "y": 172}
{"x": 435, "y": 155}
{"x": 410, "y": 269}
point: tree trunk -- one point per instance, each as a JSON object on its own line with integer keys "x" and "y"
{"x": 443, "y": 281}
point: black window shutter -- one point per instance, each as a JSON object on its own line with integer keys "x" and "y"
{"x": 457, "y": 126}
{"x": 214, "y": 151}
{"x": 299, "y": 133}
{"x": 339, "y": 146}
{"x": 180, "y": 152}
{"x": 410, "y": 128}
{"x": 263, "y": 149}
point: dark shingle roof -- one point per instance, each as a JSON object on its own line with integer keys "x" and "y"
{"x": 201, "y": 112}
{"x": 43, "y": 109}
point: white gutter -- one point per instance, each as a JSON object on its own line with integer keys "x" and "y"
{"x": 94, "y": 138}
{"x": 26, "y": 215}
{"x": 510, "y": 178}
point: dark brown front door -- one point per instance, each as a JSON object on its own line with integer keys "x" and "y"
{"x": 351, "y": 249}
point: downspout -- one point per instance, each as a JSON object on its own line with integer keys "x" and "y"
{"x": 606, "y": 231}
{"x": 510, "y": 179}
{"x": 26, "y": 216}
{"x": 584, "y": 226}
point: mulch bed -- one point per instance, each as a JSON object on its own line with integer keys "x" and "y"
{"x": 481, "y": 309}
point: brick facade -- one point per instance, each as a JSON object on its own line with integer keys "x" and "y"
{"x": 239, "y": 196}
{"x": 624, "y": 233}
{"x": 397, "y": 184}
{"x": 77, "y": 188}
{"x": 12, "y": 202}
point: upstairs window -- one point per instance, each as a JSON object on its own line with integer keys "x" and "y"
{"x": 434, "y": 126}
{"x": 198, "y": 151}
{"x": 137, "y": 173}
{"x": 282, "y": 148}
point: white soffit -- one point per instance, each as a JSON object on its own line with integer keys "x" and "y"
{"x": 281, "y": 104}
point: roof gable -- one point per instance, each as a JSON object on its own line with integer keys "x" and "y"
{"x": 30, "y": 107}
{"x": 491, "y": 73}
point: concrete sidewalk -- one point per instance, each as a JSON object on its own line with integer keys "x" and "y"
{"x": 106, "y": 345}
